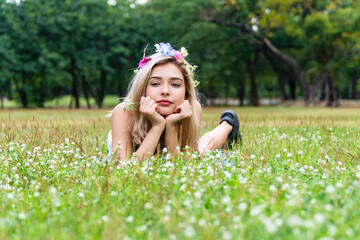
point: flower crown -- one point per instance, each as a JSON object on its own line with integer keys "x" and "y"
{"x": 166, "y": 49}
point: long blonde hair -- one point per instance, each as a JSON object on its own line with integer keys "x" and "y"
{"x": 189, "y": 129}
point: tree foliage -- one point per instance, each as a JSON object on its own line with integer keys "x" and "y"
{"x": 243, "y": 48}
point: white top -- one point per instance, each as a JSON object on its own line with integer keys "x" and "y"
{"x": 109, "y": 141}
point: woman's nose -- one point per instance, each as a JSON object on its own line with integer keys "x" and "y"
{"x": 165, "y": 90}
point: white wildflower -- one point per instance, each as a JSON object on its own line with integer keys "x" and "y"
{"x": 330, "y": 189}
{"x": 22, "y": 215}
{"x": 272, "y": 188}
{"x": 105, "y": 218}
{"x": 189, "y": 231}
{"x": 319, "y": 218}
{"x": 226, "y": 200}
{"x": 130, "y": 219}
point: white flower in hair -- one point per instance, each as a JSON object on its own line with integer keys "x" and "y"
{"x": 184, "y": 52}
{"x": 158, "y": 49}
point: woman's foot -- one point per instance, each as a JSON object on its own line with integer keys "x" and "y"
{"x": 231, "y": 117}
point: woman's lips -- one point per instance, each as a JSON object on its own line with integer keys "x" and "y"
{"x": 164, "y": 102}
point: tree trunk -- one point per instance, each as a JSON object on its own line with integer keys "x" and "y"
{"x": 241, "y": 93}
{"x": 292, "y": 86}
{"x": 2, "y": 98}
{"x": 316, "y": 84}
{"x": 22, "y": 92}
{"x": 254, "y": 96}
{"x": 212, "y": 96}
{"x": 333, "y": 98}
{"x": 282, "y": 86}
{"x": 354, "y": 83}
{"x": 75, "y": 91}
{"x": 101, "y": 94}
{"x": 86, "y": 95}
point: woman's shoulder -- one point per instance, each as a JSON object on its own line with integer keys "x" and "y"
{"x": 198, "y": 105}
{"x": 123, "y": 110}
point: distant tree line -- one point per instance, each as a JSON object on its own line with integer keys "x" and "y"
{"x": 246, "y": 49}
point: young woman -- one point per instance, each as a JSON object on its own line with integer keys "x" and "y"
{"x": 161, "y": 110}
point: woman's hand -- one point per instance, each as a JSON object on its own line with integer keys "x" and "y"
{"x": 182, "y": 111}
{"x": 149, "y": 108}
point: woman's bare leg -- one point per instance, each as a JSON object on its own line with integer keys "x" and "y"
{"x": 216, "y": 138}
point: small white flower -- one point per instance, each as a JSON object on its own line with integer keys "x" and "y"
{"x": 167, "y": 209}
{"x": 147, "y": 205}
{"x": 141, "y": 228}
{"x": 202, "y": 222}
{"x": 294, "y": 220}
{"x": 81, "y": 195}
{"x": 36, "y": 194}
{"x": 339, "y": 185}
{"x": 328, "y": 207}
{"x": 226, "y": 200}
{"x": 256, "y": 211}
{"x": 226, "y": 235}
{"x": 272, "y": 188}
{"x": 184, "y": 52}
{"x": 53, "y": 190}
{"x": 284, "y": 150}
{"x": 10, "y": 196}
{"x": 130, "y": 219}
{"x": 197, "y": 195}
{"x": 243, "y": 206}
{"x": 189, "y": 231}
{"x": 277, "y": 156}
{"x": 105, "y": 218}
{"x": 157, "y": 46}
{"x": 330, "y": 189}
{"x": 252, "y": 156}
{"x": 22, "y": 215}
{"x": 319, "y": 218}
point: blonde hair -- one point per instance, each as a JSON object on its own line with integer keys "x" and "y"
{"x": 189, "y": 129}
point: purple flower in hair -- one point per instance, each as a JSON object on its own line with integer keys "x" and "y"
{"x": 165, "y": 49}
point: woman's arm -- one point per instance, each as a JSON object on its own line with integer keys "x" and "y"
{"x": 183, "y": 111}
{"x": 198, "y": 113}
{"x": 121, "y": 129}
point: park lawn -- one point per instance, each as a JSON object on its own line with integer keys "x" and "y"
{"x": 297, "y": 176}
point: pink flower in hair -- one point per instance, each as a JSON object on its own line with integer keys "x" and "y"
{"x": 178, "y": 55}
{"x": 143, "y": 62}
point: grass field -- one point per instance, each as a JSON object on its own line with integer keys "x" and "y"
{"x": 297, "y": 176}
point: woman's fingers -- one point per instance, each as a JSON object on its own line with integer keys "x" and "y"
{"x": 184, "y": 109}
{"x": 148, "y": 107}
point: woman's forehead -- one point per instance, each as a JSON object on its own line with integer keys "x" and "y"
{"x": 168, "y": 70}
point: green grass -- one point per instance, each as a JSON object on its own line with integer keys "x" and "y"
{"x": 64, "y": 102}
{"x": 295, "y": 177}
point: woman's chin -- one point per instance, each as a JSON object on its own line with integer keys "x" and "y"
{"x": 165, "y": 112}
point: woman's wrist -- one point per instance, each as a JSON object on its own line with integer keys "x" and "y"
{"x": 159, "y": 127}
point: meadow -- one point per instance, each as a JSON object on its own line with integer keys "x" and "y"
{"x": 296, "y": 176}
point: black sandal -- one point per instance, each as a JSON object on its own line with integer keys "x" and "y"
{"x": 231, "y": 117}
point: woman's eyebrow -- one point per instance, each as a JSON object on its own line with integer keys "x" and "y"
{"x": 176, "y": 78}
{"x": 173, "y": 78}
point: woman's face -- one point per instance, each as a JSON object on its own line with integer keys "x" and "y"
{"x": 166, "y": 86}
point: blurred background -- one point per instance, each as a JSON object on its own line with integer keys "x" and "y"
{"x": 82, "y": 54}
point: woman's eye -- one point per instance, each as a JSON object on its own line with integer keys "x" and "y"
{"x": 155, "y": 84}
{"x": 175, "y": 85}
